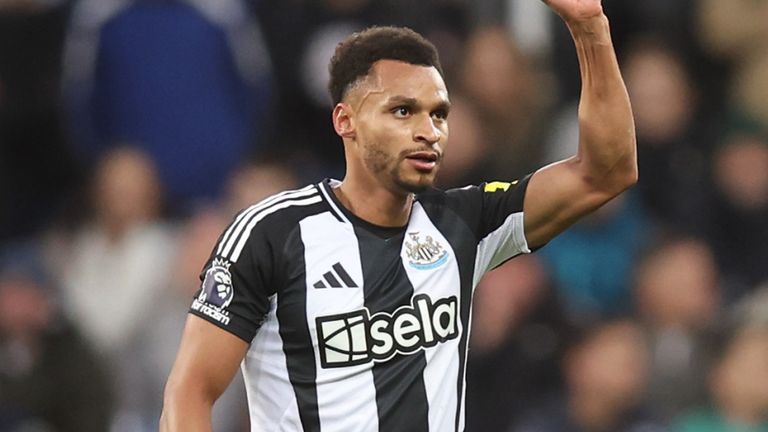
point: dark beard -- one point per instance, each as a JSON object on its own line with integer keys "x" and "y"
{"x": 377, "y": 161}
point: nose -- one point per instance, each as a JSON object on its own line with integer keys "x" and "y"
{"x": 426, "y": 131}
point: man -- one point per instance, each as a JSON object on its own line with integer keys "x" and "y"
{"x": 348, "y": 302}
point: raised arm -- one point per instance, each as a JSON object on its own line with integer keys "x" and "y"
{"x": 606, "y": 162}
{"x": 206, "y": 363}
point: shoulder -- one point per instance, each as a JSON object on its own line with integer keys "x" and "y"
{"x": 475, "y": 192}
{"x": 274, "y": 218}
{"x": 284, "y": 207}
{"x": 472, "y": 200}
{"x": 449, "y": 198}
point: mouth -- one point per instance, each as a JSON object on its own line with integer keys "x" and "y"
{"x": 424, "y": 161}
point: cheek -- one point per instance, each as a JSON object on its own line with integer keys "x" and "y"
{"x": 389, "y": 127}
{"x": 446, "y": 134}
{"x": 375, "y": 157}
{"x": 385, "y": 140}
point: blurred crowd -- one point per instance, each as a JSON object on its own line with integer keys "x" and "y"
{"x": 131, "y": 131}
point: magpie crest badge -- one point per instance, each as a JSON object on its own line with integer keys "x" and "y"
{"x": 424, "y": 254}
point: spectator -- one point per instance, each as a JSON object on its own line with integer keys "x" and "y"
{"x": 605, "y": 374}
{"x": 517, "y": 337}
{"x": 187, "y": 81}
{"x": 678, "y": 298}
{"x": 510, "y": 101}
{"x": 114, "y": 268}
{"x": 673, "y": 140}
{"x": 50, "y": 378}
{"x": 737, "y": 385}
{"x": 739, "y": 226}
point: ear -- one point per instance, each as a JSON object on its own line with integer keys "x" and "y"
{"x": 343, "y": 120}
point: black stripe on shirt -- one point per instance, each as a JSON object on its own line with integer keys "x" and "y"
{"x": 297, "y": 341}
{"x": 401, "y": 397}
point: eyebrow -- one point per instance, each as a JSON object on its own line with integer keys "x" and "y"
{"x": 444, "y": 105}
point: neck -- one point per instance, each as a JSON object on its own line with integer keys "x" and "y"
{"x": 378, "y": 206}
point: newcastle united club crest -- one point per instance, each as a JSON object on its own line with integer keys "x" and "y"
{"x": 424, "y": 254}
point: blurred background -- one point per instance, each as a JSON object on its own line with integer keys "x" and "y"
{"x": 132, "y": 130}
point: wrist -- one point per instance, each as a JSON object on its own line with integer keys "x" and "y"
{"x": 591, "y": 29}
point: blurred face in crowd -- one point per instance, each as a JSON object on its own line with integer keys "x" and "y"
{"x": 611, "y": 365}
{"x": 506, "y": 296}
{"x": 505, "y": 81}
{"x": 127, "y": 190}
{"x": 399, "y": 125}
{"x": 661, "y": 93}
{"x": 740, "y": 381}
{"x": 677, "y": 286}
{"x": 741, "y": 169}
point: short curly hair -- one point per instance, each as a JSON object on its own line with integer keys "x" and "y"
{"x": 356, "y": 54}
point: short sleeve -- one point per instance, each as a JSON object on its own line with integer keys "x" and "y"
{"x": 494, "y": 211}
{"x": 236, "y": 288}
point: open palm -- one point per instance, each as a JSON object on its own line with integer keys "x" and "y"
{"x": 576, "y": 10}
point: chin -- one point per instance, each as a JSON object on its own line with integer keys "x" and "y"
{"x": 415, "y": 186}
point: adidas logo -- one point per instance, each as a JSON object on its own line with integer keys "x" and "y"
{"x": 337, "y": 277}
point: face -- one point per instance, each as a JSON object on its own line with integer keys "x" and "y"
{"x": 613, "y": 364}
{"x": 742, "y": 375}
{"x": 397, "y": 125}
{"x": 661, "y": 92}
{"x": 127, "y": 188}
{"x": 677, "y": 286}
{"x": 741, "y": 166}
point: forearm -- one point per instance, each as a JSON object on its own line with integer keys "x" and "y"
{"x": 607, "y": 152}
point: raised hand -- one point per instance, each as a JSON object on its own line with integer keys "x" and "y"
{"x": 576, "y": 10}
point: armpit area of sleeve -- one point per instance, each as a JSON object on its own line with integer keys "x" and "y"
{"x": 225, "y": 320}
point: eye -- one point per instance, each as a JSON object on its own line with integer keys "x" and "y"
{"x": 440, "y": 114}
{"x": 402, "y": 112}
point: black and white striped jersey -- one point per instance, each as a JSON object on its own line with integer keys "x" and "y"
{"x": 355, "y": 327}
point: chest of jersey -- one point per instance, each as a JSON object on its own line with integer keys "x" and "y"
{"x": 368, "y": 298}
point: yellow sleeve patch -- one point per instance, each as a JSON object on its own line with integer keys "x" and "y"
{"x": 496, "y": 185}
